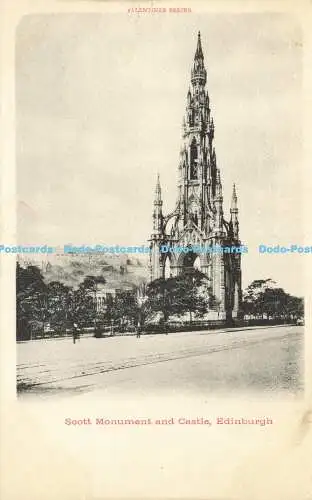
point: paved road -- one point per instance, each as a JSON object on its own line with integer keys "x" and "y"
{"x": 260, "y": 359}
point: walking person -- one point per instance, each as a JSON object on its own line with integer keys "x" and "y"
{"x": 75, "y": 333}
{"x": 138, "y": 331}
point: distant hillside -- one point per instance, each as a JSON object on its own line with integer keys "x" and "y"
{"x": 119, "y": 271}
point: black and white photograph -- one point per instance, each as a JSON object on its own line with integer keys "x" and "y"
{"x": 159, "y": 182}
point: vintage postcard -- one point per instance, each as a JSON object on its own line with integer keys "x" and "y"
{"x": 155, "y": 250}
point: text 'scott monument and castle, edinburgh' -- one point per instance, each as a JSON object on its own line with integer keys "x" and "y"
{"x": 197, "y": 219}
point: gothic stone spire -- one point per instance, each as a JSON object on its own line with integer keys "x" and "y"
{"x": 198, "y": 215}
{"x": 199, "y": 51}
{"x": 158, "y": 200}
{"x": 234, "y": 200}
{"x": 234, "y": 213}
{"x": 157, "y": 213}
{"x": 199, "y": 74}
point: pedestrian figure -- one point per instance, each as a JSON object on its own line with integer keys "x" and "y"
{"x": 75, "y": 333}
{"x": 138, "y": 332}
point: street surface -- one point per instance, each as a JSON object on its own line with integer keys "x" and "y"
{"x": 217, "y": 362}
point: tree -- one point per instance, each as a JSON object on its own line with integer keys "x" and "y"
{"x": 190, "y": 294}
{"x": 264, "y": 299}
{"x": 253, "y": 297}
{"x": 59, "y": 304}
{"x": 295, "y": 307}
{"x": 124, "y": 308}
{"x": 186, "y": 293}
{"x": 84, "y": 309}
{"x": 160, "y": 297}
{"x": 31, "y": 300}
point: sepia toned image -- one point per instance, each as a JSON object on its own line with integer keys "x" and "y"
{"x": 155, "y": 251}
{"x": 159, "y": 190}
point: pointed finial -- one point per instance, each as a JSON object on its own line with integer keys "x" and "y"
{"x": 199, "y": 50}
{"x": 234, "y": 192}
{"x": 158, "y": 188}
{"x": 158, "y": 181}
{"x": 218, "y": 184}
{"x": 158, "y": 199}
{"x": 234, "y": 213}
{"x": 234, "y": 198}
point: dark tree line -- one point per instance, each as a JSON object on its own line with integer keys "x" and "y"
{"x": 40, "y": 305}
{"x": 263, "y": 299}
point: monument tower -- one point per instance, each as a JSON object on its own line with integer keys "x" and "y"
{"x": 197, "y": 219}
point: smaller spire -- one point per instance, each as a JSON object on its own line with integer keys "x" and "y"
{"x": 158, "y": 199}
{"x": 157, "y": 213}
{"x": 234, "y": 214}
{"x": 234, "y": 198}
{"x": 218, "y": 184}
{"x": 158, "y": 187}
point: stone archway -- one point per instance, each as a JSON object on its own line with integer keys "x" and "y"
{"x": 167, "y": 265}
{"x": 189, "y": 260}
{"x": 167, "y": 268}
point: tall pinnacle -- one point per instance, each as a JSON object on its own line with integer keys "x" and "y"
{"x": 234, "y": 213}
{"x": 218, "y": 185}
{"x": 158, "y": 199}
{"x": 234, "y": 199}
{"x": 199, "y": 51}
{"x": 198, "y": 74}
{"x": 157, "y": 213}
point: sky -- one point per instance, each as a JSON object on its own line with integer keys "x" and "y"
{"x": 99, "y": 105}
